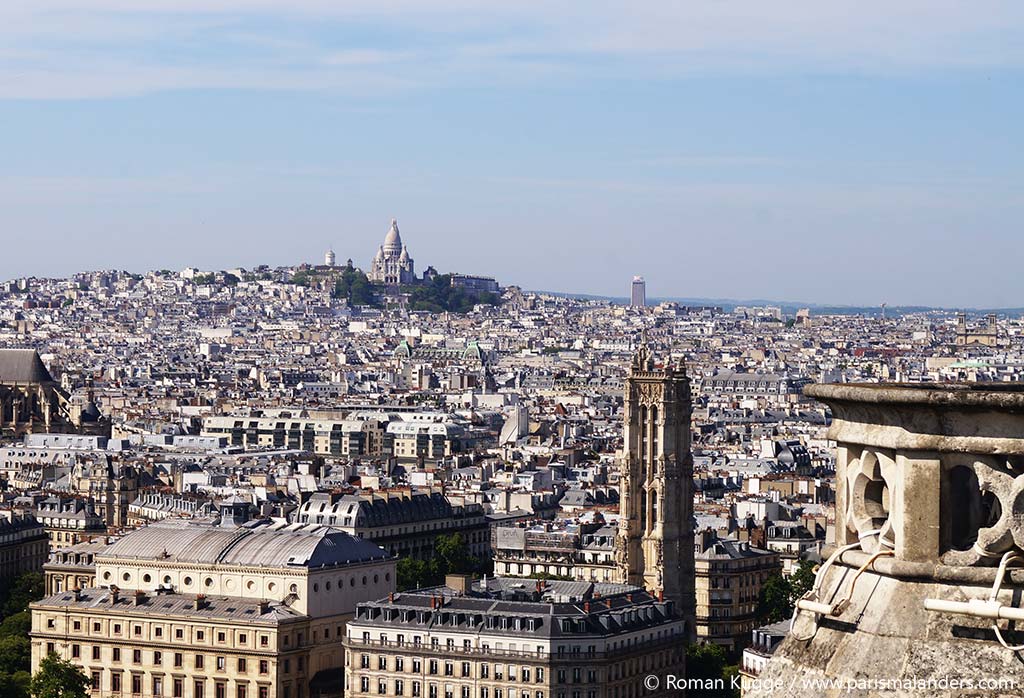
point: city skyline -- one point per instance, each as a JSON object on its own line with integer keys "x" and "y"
{"x": 720, "y": 150}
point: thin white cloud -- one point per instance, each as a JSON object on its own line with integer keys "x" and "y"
{"x": 99, "y": 48}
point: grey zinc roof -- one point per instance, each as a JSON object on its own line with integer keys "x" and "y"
{"x": 22, "y": 366}
{"x": 174, "y": 605}
{"x": 255, "y": 544}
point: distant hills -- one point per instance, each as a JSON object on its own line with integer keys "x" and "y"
{"x": 790, "y": 307}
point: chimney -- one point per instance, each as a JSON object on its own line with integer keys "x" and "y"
{"x": 113, "y": 594}
{"x": 661, "y": 594}
{"x": 391, "y": 597}
{"x": 540, "y": 586}
{"x": 264, "y": 606}
{"x": 433, "y": 602}
{"x": 629, "y": 598}
{"x": 586, "y": 607}
{"x": 77, "y": 592}
{"x": 139, "y": 597}
{"x": 461, "y": 584}
{"x": 200, "y": 602}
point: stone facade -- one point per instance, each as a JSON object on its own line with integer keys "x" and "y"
{"x": 513, "y": 638}
{"x": 927, "y": 504}
{"x": 654, "y": 548}
{"x": 392, "y": 264}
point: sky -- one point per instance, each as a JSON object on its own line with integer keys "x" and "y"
{"x": 842, "y": 152}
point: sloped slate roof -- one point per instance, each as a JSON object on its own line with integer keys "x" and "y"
{"x": 22, "y": 366}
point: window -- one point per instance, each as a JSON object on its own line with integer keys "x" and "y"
{"x": 136, "y": 656}
{"x": 159, "y": 632}
{"x": 220, "y": 637}
{"x": 382, "y": 687}
{"x": 136, "y": 683}
{"x": 178, "y": 660}
{"x": 76, "y": 651}
{"x": 116, "y": 652}
{"x": 115, "y": 682}
{"x": 51, "y": 623}
{"x": 95, "y": 627}
{"x": 178, "y": 688}
{"x": 220, "y": 690}
{"x": 264, "y": 666}
{"x": 432, "y": 667}
{"x": 416, "y": 689}
{"x": 96, "y": 652}
{"x": 76, "y": 625}
{"x": 399, "y": 663}
{"x": 95, "y": 680}
{"x": 364, "y": 684}
{"x": 200, "y": 635}
{"x": 221, "y": 663}
{"x": 198, "y": 689}
{"x": 242, "y": 638}
{"x": 158, "y": 658}
{"x": 465, "y": 668}
{"x": 240, "y": 690}
{"x": 158, "y": 686}
{"x": 364, "y": 661}
{"x": 399, "y": 687}
{"x": 382, "y": 663}
{"x": 199, "y": 661}
{"x": 179, "y": 634}
{"x": 241, "y": 665}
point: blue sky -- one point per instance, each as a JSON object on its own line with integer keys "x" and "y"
{"x": 841, "y": 152}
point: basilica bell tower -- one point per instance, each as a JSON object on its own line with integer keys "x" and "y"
{"x": 654, "y": 546}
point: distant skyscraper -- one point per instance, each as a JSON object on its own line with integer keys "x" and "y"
{"x": 638, "y": 294}
{"x": 329, "y": 258}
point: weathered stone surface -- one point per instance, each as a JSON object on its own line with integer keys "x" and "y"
{"x": 931, "y": 477}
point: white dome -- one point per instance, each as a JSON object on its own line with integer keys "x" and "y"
{"x": 393, "y": 241}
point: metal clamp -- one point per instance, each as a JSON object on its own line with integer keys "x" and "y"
{"x": 986, "y": 608}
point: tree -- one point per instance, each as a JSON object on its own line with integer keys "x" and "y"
{"x": 802, "y": 580}
{"x": 453, "y": 555}
{"x": 708, "y": 662}
{"x": 29, "y": 587}
{"x": 15, "y": 654}
{"x": 412, "y": 574}
{"x": 15, "y": 685}
{"x": 59, "y": 678}
{"x": 17, "y": 625}
{"x": 775, "y": 600}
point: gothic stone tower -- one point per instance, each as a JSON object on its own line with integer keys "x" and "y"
{"x": 654, "y": 547}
